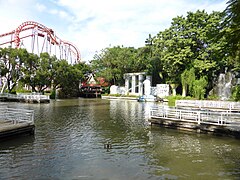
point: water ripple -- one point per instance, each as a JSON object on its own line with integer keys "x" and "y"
{"x": 70, "y": 137}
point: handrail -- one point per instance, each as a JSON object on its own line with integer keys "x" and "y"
{"x": 37, "y": 97}
{"x": 16, "y": 115}
{"x": 226, "y": 118}
{"x": 231, "y": 106}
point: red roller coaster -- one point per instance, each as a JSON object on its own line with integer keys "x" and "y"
{"x": 27, "y": 35}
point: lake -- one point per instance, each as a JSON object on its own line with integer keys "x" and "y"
{"x": 69, "y": 144}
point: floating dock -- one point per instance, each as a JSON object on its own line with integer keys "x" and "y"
{"x": 27, "y": 98}
{"x": 201, "y": 121}
{"x": 15, "y": 122}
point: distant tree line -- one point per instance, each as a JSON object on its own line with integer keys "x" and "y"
{"x": 189, "y": 55}
{"x": 40, "y": 73}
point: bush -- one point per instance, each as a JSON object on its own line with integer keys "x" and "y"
{"x": 212, "y": 97}
{"x": 236, "y": 93}
{"x": 199, "y": 88}
{"x": 53, "y": 94}
{"x": 13, "y": 92}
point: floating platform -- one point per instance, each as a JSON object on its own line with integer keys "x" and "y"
{"x": 27, "y": 98}
{"x": 225, "y": 122}
{"x": 16, "y": 122}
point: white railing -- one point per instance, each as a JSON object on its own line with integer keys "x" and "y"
{"x": 33, "y": 97}
{"x": 16, "y": 115}
{"x": 3, "y": 94}
{"x": 227, "y": 105}
{"x": 226, "y": 118}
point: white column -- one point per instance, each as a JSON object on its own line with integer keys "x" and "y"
{"x": 133, "y": 84}
{"x": 140, "y": 84}
{"x": 127, "y": 85}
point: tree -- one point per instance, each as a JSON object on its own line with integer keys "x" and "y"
{"x": 187, "y": 80}
{"x": 191, "y": 42}
{"x": 232, "y": 19}
{"x": 11, "y": 63}
{"x": 42, "y": 77}
{"x": 70, "y": 87}
{"x": 38, "y": 71}
{"x": 231, "y": 24}
{"x": 199, "y": 88}
{"x": 113, "y": 63}
{"x": 66, "y": 77}
{"x": 29, "y": 70}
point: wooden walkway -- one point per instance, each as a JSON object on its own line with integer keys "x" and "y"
{"x": 196, "y": 120}
{"x": 15, "y": 122}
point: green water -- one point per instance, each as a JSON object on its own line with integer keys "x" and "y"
{"x": 69, "y": 144}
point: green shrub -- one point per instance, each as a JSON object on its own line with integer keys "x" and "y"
{"x": 212, "y": 97}
{"x": 236, "y": 93}
{"x": 199, "y": 88}
{"x": 53, "y": 94}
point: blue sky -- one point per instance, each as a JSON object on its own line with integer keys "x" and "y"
{"x": 93, "y": 25}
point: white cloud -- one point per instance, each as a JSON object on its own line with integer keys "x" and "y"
{"x": 62, "y": 14}
{"x": 93, "y": 25}
{"x": 13, "y": 13}
{"x": 41, "y": 7}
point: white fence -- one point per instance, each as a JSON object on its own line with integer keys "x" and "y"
{"x": 200, "y": 117}
{"x": 227, "y": 105}
{"x": 27, "y": 97}
{"x": 16, "y": 115}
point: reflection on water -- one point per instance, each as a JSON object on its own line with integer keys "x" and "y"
{"x": 70, "y": 137}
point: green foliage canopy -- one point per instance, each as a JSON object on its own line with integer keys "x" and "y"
{"x": 40, "y": 72}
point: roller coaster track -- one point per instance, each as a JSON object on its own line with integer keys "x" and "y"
{"x": 49, "y": 42}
